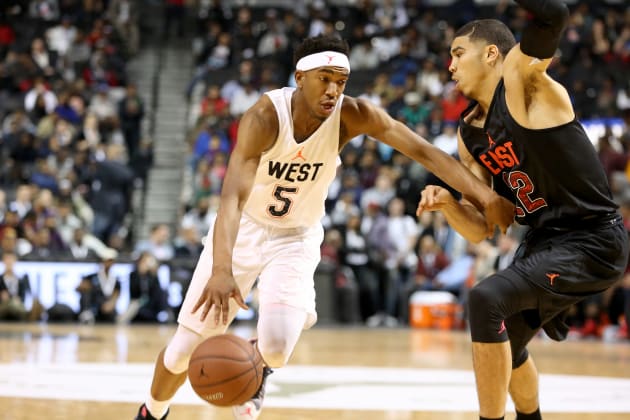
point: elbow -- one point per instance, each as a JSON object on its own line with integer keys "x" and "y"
{"x": 476, "y": 237}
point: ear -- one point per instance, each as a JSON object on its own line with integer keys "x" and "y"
{"x": 299, "y": 78}
{"x": 492, "y": 54}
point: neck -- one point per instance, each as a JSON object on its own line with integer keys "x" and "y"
{"x": 486, "y": 89}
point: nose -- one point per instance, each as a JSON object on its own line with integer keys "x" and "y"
{"x": 332, "y": 90}
{"x": 452, "y": 67}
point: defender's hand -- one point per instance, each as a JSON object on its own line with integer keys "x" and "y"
{"x": 498, "y": 212}
{"x": 218, "y": 291}
{"x": 433, "y": 198}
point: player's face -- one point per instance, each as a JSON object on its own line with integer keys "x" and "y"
{"x": 467, "y": 65}
{"x": 321, "y": 88}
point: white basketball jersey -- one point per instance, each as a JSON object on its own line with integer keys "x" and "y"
{"x": 292, "y": 179}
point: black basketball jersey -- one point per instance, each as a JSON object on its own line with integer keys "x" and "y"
{"x": 553, "y": 176}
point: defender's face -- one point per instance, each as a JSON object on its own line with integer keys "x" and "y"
{"x": 322, "y": 88}
{"x": 467, "y": 65}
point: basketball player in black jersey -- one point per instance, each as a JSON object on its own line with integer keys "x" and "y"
{"x": 520, "y": 135}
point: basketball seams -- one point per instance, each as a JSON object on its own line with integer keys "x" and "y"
{"x": 225, "y": 354}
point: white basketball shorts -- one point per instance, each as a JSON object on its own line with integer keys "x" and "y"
{"x": 283, "y": 259}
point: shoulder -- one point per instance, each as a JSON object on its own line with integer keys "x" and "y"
{"x": 258, "y": 128}
{"x": 352, "y": 105}
{"x": 262, "y": 115}
{"x": 359, "y": 111}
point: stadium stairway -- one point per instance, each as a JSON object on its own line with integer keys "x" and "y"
{"x": 162, "y": 71}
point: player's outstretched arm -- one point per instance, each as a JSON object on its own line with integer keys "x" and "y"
{"x": 362, "y": 117}
{"x": 257, "y": 130}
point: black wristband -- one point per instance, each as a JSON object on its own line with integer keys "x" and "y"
{"x": 541, "y": 36}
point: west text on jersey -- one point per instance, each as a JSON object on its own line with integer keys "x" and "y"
{"x": 293, "y": 172}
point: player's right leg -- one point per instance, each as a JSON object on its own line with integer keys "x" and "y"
{"x": 172, "y": 363}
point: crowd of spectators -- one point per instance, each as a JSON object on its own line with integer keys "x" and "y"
{"x": 375, "y": 245}
{"x": 71, "y": 138}
{"x": 71, "y": 126}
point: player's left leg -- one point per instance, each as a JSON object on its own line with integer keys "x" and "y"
{"x": 286, "y": 302}
{"x": 523, "y": 386}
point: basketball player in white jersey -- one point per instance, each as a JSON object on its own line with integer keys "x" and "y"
{"x": 268, "y": 224}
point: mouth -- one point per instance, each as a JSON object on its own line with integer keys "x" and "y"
{"x": 327, "y": 106}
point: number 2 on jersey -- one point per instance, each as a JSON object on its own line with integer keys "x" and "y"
{"x": 280, "y": 193}
{"x": 523, "y": 186}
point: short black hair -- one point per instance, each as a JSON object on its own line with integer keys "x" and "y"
{"x": 320, "y": 43}
{"x": 492, "y": 31}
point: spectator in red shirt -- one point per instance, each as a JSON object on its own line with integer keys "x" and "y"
{"x": 453, "y": 104}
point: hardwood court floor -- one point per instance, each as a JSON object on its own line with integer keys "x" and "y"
{"x": 72, "y": 372}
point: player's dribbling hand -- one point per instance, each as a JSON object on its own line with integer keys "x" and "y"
{"x": 499, "y": 212}
{"x": 218, "y": 291}
{"x": 433, "y": 198}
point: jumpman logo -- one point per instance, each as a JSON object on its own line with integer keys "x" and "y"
{"x": 552, "y": 277}
{"x": 246, "y": 412}
{"x": 299, "y": 155}
{"x": 491, "y": 143}
{"x": 330, "y": 58}
{"x": 502, "y": 328}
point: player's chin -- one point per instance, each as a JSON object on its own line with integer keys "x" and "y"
{"x": 460, "y": 88}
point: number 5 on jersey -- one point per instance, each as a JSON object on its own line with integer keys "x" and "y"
{"x": 282, "y": 208}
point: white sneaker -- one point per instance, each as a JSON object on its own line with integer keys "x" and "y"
{"x": 251, "y": 409}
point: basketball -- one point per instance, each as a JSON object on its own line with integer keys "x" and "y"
{"x": 225, "y": 370}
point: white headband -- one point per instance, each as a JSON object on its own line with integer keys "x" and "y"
{"x": 323, "y": 59}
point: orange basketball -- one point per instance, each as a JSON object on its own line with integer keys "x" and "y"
{"x": 225, "y": 370}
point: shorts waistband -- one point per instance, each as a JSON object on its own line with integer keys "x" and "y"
{"x": 590, "y": 222}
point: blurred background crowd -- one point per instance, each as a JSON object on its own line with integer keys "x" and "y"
{"x": 81, "y": 136}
